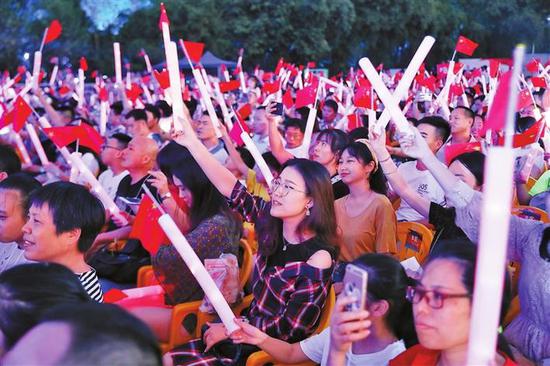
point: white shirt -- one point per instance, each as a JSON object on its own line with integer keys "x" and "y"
{"x": 11, "y": 256}
{"x": 110, "y": 182}
{"x": 299, "y": 151}
{"x": 424, "y": 183}
{"x": 261, "y": 142}
{"x": 219, "y": 152}
{"x": 317, "y": 349}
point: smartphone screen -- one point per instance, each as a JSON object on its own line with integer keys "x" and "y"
{"x": 355, "y": 284}
{"x": 278, "y": 109}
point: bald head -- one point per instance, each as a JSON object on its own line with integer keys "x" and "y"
{"x": 140, "y": 154}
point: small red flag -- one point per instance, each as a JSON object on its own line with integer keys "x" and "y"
{"x": 305, "y": 96}
{"x": 270, "y": 88}
{"x": 362, "y": 98}
{"x": 354, "y": 122}
{"x": 235, "y": 134}
{"x": 465, "y": 46}
{"x": 279, "y": 66}
{"x": 134, "y": 92}
{"x": 90, "y": 138}
{"x": 22, "y": 111}
{"x": 83, "y": 63}
{"x": 227, "y": 86}
{"x": 163, "y": 16}
{"x": 494, "y": 65}
{"x": 113, "y": 295}
{"x": 245, "y": 111}
{"x": 21, "y": 69}
{"x": 538, "y": 82}
{"x": 163, "y": 78}
{"x": 63, "y": 90}
{"x": 103, "y": 94}
{"x": 6, "y": 119}
{"x": 62, "y": 136}
{"x": 496, "y": 118}
{"x": 146, "y": 227}
{"x": 532, "y": 66}
{"x": 287, "y": 99}
{"x": 452, "y": 151}
{"x": 54, "y": 31}
{"x": 456, "y": 89}
{"x": 530, "y": 135}
{"x": 524, "y": 99}
{"x": 186, "y": 95}
{"x": 194, "y": 50}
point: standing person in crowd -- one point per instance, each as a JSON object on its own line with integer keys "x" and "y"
{"x": 14, "y": 196}
{"x": 136, "y": 122}
{"x": 296, "y": 233}
{"x": 389, "y": 318}
{"x": 153, "y": 118}
{"x": 461, "y": 121}
{"x": 28, "y": 291}
{"x": 442, "y": 308}
{"x": 294, "y": 136}
{"x": 260, "y": 127}
{"x": 111, "y": 156}
{"x": 64, "y": 220}
{"x": 365, "y": 217}
{"x": 204, "y": 127}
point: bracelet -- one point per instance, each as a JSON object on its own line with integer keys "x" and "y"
{"x": 165, "y": 196}
{"x": 386, "y": 159}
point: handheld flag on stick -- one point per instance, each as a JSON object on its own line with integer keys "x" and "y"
{"x": 465, "y": 46}
{"x": 51, "y": 33}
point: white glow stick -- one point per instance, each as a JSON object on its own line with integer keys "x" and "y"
{"x": 118, "y": 65}
{"x": 165, "y": 35}
{"x": 405, "y": 83}
{"x": 251, "y": 146}
{"x": 241, "y": 73}
{"x": 223, "y": 106}
{"x": 484, "y": 84}
{"x": 199, "y": 272}
{"x": 36, "y": 69}
{"x": 226, "y": 75}
{"x": 172, "y": 63}
{"x": 103, "y": 118}
{"x": 493, "y": 240}
{"x": 148, "y": 63}
{"x": 311, "y": 120}
{"x": 54, "y": 75}
{"x": 383, "y": 93}
{"x": 205, "y": 97}
{"x": 442, "y": 97}
{"x": 22, "y": 148}
{"x": 128, "y": 79}
{"x": 206, "y": 81}
{"x": 147, "y": 94}
{"x": 37, "y": 144}
{"x": 80, "y": 88}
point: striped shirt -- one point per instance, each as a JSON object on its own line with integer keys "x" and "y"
{"x": 90, "y": 282}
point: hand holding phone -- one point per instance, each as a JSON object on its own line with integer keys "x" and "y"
{"x": 355, "y": 285}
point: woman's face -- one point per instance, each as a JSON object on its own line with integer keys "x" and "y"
{"x": 321, "y": 152}
{"x": 462, "y": 173}
{"x": 288, "y": 196}
{"x": 447, "y": 327}
{"x": 352, "y": 169}
{"x": 184, "y": 193}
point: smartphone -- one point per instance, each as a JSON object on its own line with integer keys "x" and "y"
{"x": 278, "y": 109}
{"x": 355, "y": 284}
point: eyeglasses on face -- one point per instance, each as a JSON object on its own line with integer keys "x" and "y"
{"x": 105, "y": 147}
{"x": 434, "y": 298}
{"x": 285, "y": 187}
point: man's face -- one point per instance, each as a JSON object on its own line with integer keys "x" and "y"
{"x": 429, "y": 133}
{"x": 110, "y": 151}
{"x": 204, "y": 128}
{"x": 136, "y": 127}
{"x": 459, "y": 122}
{"x": 294, "y": 137}
{"x": 151, "y": 120}
{"x": 12, "y": 216}
{"x": 132, "y": 156}
{"x": 259, "y": 125}
{"x": 41, "y": 243}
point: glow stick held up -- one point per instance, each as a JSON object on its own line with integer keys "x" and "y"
{"x": 80, "y": 88}
{"x": 195, "y": 266}
{"x": 241, "y": 73}
{"x": 493, "y": 240}
{"x": 311, "y": 119}
{"x": 223, "y": 106}
{"x": 118, "y": 65}
{"x": 54, "y": 75}
{"x": 103, "y": 106}
{"x": 36, "y": 69}
{"x": 172, "y": 62}
{"x": 251, "y": 146}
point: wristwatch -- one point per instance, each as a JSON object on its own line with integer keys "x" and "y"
{"x": 165, "y": 196}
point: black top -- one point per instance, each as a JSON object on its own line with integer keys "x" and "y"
{"x": 299, "y": 252}
{"x": 443, "y": 218}
{"x": 339, "y": 188}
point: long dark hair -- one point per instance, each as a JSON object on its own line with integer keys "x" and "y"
{"x": 474, "y": 161}
{"x": 464, "y": 253}
{"x": 29, "y": 290}
{"x": 361, "y": 152}
{"x": 388, "y": 281}
{"x": 322, "y": 220}
{"x": 337, "y": 139}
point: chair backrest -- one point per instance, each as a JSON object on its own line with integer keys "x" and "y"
{"x": 413, "y": 240}
{"x": 248, "y": 263}
{"x": 530, "y": 213}
{"x": 146, "y": 277}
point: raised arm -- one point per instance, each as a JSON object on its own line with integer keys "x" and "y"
{"x": 54, "y": 116}
{"x": 233, "y": 153}
{"x": 275, "y": 143}
{"x": 398, "y": 183}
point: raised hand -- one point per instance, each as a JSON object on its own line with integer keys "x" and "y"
{"x": 186, "y": 137}
{"x": 378, "y": 143}
{"x": 347, "y": 327}
{"x": 414, "y": 145}
{"x": 159, "y": 181}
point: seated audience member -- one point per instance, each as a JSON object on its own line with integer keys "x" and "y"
{"x": 204, "y": 127}
{"x": 296, "y": 235}
{"x": 442, "y": 307}
{"x": 64, "y": 220}
{"x": 330, "y": 117}
{"x": 294, "y": 136}
{"x": 29, "y": 290}
{"x": 260, "y": 127}
{"x": 387, "y": 311}
{"x": 529, "y": 332}
{"x": 88, "y": 334}
{"x": 14, "y": 194}
{"x": 115, "y": 122}
{"x": 365, "y": 217}
{"x": 435, "y": 130}
{"x": 136, "y": 122}
{"x": 111, "y": 155}
{"x": 9, "y": 161}
{"x": 461, "y": 121}
{"x": 213, "y": 230}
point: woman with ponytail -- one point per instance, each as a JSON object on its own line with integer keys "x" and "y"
{"x": 380, "y": 332}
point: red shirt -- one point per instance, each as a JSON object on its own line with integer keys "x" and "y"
{"x": 421, "y": 356}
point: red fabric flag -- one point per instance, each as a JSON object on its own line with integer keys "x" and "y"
{"x": 494, "y": 65}
{"x": 21, "y": 69}
{"x": 452, "y": 151}
{"x": 146, "y": 227}
{"x": 62, "y": 136}
{"x": 163, "y": 78}
{"x": 428, "y": 82}
{"x": 270, "y": 88}
{"x": 54, "y": 31}
{"x": 465, "y": 46}
{"x": 194, "y": 50}
{"x": 288, "y": 102}
{"x": 476, "y": 73}
{"x": 380, "y": 67}
{"x": 163, "y": 16}
{"x": 524, "y": 99}
{"x": 279, "y": 66}
{"x": 22, "y": 111}
{"x": 245, "y": 111}
{"x": 103, "y": 94}
{"x": 134, "y": 92}
{"x": 305, "y": 96}
{"x": 63, "y": 90}
{"x": 456, "y": 90}
{"x": 362, "y": 98}
{"x": 496, "y": 118}
{"x": 227, "y": 86}
{"x": 311, "y": 65}
{"x": 354, "y": 121}
{"x": 186, "y": 95}
{"x": 90, "y": 138}
{"x": 532, "y": 66}
{"x": 530, "y": 135}
{"x": 113, "y": 295}
{"x": 94, "y": 74}
{"x": 539, "y": 82}
{"x": 457, "y": 67}
{"x": 83, "y": 63}
{"x": 235, "y": 134}
{"x": 6, "y": 119}
{"x": 237, "y": 71}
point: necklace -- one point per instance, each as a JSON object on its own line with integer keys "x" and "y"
{"x": 285, "y": 243}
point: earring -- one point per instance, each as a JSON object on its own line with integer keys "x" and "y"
{"x": 308, "y": 212}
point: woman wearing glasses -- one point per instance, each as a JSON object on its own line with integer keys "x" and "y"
{"x": 442, "y": 306}
{"x": 296, "y": 233}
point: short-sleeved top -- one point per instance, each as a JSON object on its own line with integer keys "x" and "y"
{"x": 339, "y": 188}
{"x": 91, "y": 284}
{"x": 372, "y": 231}
{"x": 317, "y": 350}
{"x": 289, "y": 294}
{"x": 424, "y": 183}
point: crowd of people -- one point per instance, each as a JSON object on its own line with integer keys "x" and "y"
{"x": 337, "y": 197}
